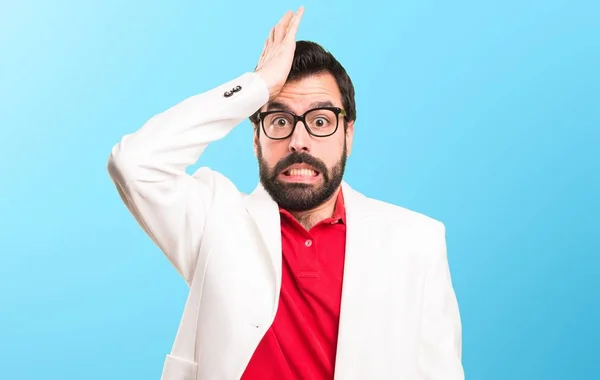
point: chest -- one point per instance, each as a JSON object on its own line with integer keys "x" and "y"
{"x": 371, "y": 277}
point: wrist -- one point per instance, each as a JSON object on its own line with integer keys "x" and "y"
{"x": 269, "y": 83}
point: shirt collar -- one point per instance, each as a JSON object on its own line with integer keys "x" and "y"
{"x": 339, "y": 212}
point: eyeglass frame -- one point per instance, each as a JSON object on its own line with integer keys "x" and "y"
{"x": 337, "y": 110}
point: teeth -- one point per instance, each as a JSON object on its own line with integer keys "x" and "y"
{"x": 302, "y": 172}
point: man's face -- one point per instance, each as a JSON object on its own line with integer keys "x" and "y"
{"x": 302, "y": 171}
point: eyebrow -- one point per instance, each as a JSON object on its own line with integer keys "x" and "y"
{"x": 277, "y": 106}
{"x": 285, "y": 107}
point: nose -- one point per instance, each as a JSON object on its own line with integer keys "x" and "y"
{"x": 300, "y": 139}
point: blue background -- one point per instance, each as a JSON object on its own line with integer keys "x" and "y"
{"x": 483, "y": 114}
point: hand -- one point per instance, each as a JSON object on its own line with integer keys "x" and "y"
{"x": 278, "y": 53}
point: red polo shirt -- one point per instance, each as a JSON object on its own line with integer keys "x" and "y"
{"x": 301, "y": 343}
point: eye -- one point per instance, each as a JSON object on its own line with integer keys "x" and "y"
{"x": 320, "y": 122}
{"x": 279, "y": 122}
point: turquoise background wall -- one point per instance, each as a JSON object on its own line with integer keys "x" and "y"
{"x": 483, "y": 114}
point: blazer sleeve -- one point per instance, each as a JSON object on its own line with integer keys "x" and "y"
{"x": 148, "y": 166}
{"x": 441, "y": 331}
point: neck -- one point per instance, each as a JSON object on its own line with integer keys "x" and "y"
{"x": 311, "y": 217}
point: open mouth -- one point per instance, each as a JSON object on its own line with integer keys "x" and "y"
{"x": 300, "y": 172}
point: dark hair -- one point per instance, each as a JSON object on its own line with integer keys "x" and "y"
{"x": 311, "y": 58}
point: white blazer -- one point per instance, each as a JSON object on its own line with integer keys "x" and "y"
{"x": 399, "y": 315}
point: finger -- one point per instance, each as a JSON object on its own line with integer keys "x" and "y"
{"x": 294, "y": 23}
{"x": 262, "y": 54}
{"x": 282, "y": 26}
{"x": 275, "y": 27}
{"x": 285, "y": 22}
{"x": 271, "y": 38}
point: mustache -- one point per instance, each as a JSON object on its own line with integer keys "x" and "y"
{"x": 301, "y": 158}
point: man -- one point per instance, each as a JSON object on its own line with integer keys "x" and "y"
{"x": 305, "y": 278}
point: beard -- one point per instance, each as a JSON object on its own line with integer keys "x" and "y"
{"x": 301, "y": 196}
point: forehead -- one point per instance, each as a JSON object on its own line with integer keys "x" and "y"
{"x": 303, "y": 94}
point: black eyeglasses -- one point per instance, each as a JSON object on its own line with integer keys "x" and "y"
{"x": 319, "y": 122}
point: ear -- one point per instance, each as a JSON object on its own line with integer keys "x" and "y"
{"x": 255, "y": 140}
{"x": 349, "y": 136}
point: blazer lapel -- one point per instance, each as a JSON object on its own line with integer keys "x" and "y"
{"x": 265, "y": 213}
{"x": 357, "y": 255}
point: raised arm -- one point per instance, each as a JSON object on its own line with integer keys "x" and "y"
{"x": 148, "y": 166}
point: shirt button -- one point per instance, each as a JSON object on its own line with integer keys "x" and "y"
{"x": 308, "y": 243}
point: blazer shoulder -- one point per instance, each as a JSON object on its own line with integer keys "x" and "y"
{"x": 423, "y": 232}
{"x": 400, "y": 215}
{"x": 219, "y": 184}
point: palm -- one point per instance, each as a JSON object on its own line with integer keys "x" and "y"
{"x": 276, "y": 59}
